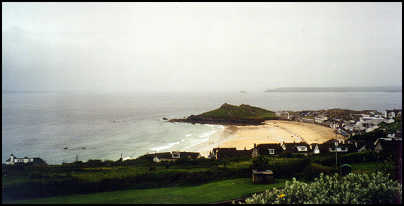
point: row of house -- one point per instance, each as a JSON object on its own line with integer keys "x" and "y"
{"x": 389, "y": 143}
{"x": 171, "y": 156}
{"x": 281, "y": 148}
{"x": 391, "y": 114}
{"x": 13, "y": 160}
{"x": 331, "y": 146}
{"x": 350, "y": 124}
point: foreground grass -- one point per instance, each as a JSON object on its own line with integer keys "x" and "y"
{"x": 206, "y": 193}
{"x": 368, "y": 167}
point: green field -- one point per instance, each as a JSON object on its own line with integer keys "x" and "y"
{"x": 367, "y": 167}
{"x": 207, "y": 193}
{"x": 196, "y": 181}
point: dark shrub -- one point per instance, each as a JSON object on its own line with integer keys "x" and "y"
{"x": 94, "y": 163}
{"x": 287, "y": 167}
{"x": 314, "y": 170}
{"x": 349, "y": 158}
{"x": 345, "y": 169}
{"x": 260, "y": 163}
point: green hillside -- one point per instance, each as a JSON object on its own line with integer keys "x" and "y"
{"x": 228, "y": 111}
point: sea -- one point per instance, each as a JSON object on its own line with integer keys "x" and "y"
{"x": 97, "y": 125}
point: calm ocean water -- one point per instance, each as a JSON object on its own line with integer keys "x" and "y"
{"x": 42, "y": 124}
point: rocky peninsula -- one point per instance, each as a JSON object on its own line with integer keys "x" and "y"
{"x": 229, "y": 114}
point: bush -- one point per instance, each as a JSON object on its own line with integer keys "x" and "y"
{"x": 345, "y": 169}
{"x": 287, "y": 167}
{"x": 376, "y": 188}
{"x": 292, "y": 155}
{"x": 349, "y": 158}
{"x": 260, "y": 163}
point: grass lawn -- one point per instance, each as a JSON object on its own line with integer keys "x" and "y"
{"x": 371, "y": 166}
{"x": 206, "y": 193}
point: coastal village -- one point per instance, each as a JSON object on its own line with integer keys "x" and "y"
{"x": 345, "y": 122}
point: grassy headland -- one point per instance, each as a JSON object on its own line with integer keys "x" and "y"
{"x": 229, "y": 114}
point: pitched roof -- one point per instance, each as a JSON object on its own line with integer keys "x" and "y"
{"x": 192, "y": 155}
{"x": 263, "y": 148}
{"x": 293, "y": 147}
{"x": 224, "y": 153}
{"x": 166, "y": 155}
{"x": 361, "y": 143}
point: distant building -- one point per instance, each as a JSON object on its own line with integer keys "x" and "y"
{"x": 391, "y": 145}
{"x": 307, "y": 120}
{"x": 267, "y": 149}
{"x": 301, "y": 147}
{"x": 334, "y": 125}
{"x": 24, "y": 161}
{"x": 284, "y": 115}
{"x": 172, "y": 156}
{"x": 325, "y": 147}
{"x": 316, "y": 149}
{"x": 320, "y": 119}
{"x": 229, "y": 153}
{"x": 368, "y": 124}
{"x": 388, "y": 121}
{"x": 391, "y": 114}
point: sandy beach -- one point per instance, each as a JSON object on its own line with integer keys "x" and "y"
{"x": 273, "y": 131}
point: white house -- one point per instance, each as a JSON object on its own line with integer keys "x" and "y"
{"x": 368, "y": 123}
{"x": 13, "y": 160}
{"x": 391, "y": 115}
{"x": 301, "y": 148}
{"x": 316, "y": 150}
{"x": 320, "y": 119}
{"x": 371, "y": 129}
{"x": 334, "y": 125}
{"x": 156, "y": 159}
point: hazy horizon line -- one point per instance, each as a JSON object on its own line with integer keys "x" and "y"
{"x": 235, "y": 90}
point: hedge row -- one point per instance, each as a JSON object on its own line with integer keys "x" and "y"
{"x": 349, "y": 158}
{"x": 70, "y": 185}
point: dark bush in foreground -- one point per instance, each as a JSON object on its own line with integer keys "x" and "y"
{"x": 260, "y": 163}
{"x": 314, "y": 170}
{"x": 376, "y": 188}
{"x": 357, "y": 157}
{"x": 288, "y": 167}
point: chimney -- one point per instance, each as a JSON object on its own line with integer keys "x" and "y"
{"x": 255, "y": 145}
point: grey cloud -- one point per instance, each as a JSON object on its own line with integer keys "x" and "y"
{"x": 201, "y": 47}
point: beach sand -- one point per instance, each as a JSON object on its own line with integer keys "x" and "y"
{"x": 273, "y": 131}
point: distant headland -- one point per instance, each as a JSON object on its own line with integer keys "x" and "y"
{"x": 229, "y": 114}
{"x": 337, "y": 89}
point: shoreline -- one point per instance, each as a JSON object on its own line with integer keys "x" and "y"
{"x": 272, "y": 131}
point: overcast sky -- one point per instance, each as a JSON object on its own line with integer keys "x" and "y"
{"x": 199, "y": 46}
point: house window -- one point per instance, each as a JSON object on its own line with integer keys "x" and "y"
{"x": 175, "y": 155}
{"x": 271, "y": 151}
{"x": 301, "y": 148}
